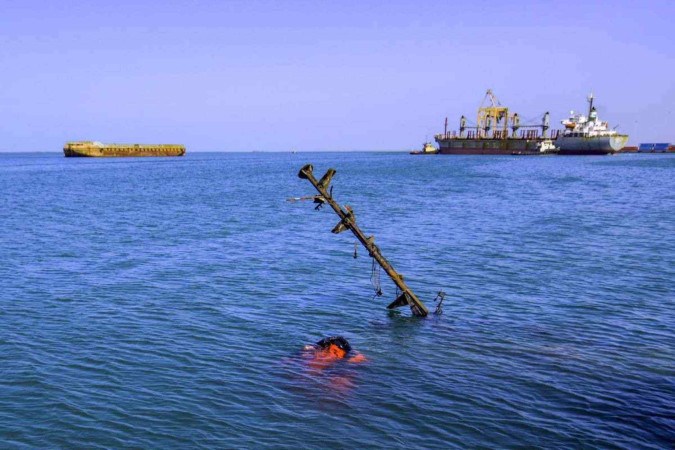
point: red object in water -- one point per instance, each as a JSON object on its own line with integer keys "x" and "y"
{"x": 322, "y": 358}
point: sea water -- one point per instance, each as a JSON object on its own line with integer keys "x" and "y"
{"x": 164, "y": 302}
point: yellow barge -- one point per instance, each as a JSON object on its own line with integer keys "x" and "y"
{"x": 98, "y": 149}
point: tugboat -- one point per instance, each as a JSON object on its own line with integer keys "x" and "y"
{"x": 427, "y": 149}
{"x": 588, "y": 135}
{"x": 544, "y": 147}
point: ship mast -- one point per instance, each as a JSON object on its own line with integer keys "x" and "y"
{"x": 348, "y": 222}
{"x": 590, "y": 104}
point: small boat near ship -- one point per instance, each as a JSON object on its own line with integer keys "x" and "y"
{"x": 544, "y": 147}
{"x": 427, "y": 149}
{"x": 588, "y": 135}
{"x": 97, "y": 149}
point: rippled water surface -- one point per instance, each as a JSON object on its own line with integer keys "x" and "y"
{"x": 162, "y": 303}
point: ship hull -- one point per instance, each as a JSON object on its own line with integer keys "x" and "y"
{"x": 597, "y": 145}
{"x": 121, "y": 151}
{"x": 459, "y": 146}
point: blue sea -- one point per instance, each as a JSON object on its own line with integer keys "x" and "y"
{"x": 164, "y": 302}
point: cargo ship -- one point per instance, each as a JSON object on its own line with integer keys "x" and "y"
{"x": 98, "y": 149}
{"x": 497, "y": 132}
{"x": 588, "y": 135}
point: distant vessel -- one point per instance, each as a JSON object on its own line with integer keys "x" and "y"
{"x": 98, "y": 149}
{"x": 588, "y": 135}
{"x": 497, "y": 132}
{"x": 427, "y": 149}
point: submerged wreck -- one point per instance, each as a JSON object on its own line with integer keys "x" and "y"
{"x": 348, "y": 222}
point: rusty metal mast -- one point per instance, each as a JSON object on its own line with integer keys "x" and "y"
{"x": 348, "y": 222}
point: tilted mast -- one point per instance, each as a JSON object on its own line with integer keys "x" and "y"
{"x": 348, "y": 222}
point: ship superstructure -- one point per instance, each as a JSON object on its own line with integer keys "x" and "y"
{"x": 588, "y": 135}
{"x": 497, "y": 132}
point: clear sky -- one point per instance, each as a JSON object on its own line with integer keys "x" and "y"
{"x": 322, "y": 75}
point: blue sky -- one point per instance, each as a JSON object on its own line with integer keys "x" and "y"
{"x": 314, "y": 75}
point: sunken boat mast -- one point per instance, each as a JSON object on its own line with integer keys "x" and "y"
{"x": 497, "y": 132}
{"x": 348, "y": 222}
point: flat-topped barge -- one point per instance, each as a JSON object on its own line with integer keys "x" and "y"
{"x": 98, "y": 149}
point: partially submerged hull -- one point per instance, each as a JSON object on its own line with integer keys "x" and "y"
{"x": 590, "y": 145}
{"x": 99, "y": 150}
